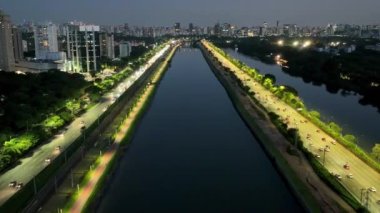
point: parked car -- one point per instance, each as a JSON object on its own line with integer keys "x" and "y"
{"x": 19, "y": 185}
{"x": 12, "y": 184}
{"x": 372, "y": 189}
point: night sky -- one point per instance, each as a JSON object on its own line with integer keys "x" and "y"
{"x": 200, "y": 12}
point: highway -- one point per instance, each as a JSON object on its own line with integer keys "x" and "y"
{"x": 31, "y": 165}
{"x": 363, "y": 176}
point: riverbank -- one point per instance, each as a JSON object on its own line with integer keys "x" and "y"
{"x": 84, "y": 198}
{"x": 309, "y": 189}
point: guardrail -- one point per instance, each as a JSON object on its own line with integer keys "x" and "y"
{"x": 30, "y": 197}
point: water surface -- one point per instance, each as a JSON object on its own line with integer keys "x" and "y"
{"x": 193, "y": 153}
{"x": 345, "y": 109}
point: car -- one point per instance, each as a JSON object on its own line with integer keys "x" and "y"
{"x": 47, "y": 160}
{"x": 350, "y": 176}
{"x": 321, "y": 149}
{"x": 338, "y": 176}
{"x": 19, "y": 185}
{"x": 58, "y": 148}
{"x": 12, "y": 184}
{"x": 372, "y": 189}
{"x": 82, "y": 122}
{"x": 346, "y": 166}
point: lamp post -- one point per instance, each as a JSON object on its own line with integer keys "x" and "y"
{"x": 324, "y": 154}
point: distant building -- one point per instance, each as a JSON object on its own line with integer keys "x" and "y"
{"x": 17, "y": 42}
{"x": 83, "y": 47}
{"x": 7, "y": 60}
{"x": 191, "y": 28}
{"x": 45, "y": 40}
{"x": 125, "y": 49}
{"x": 107, "y": 45}
{"x": 177, "y": 28}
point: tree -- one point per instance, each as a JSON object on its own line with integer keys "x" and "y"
{"x": 350, "y": 138}
{"x": 73, "y": 106}
{"x": 376, "y": 152}
{"x": 53, "y": 122}
{"x": 335, "y": 127}
{"x": 315, "y": 114}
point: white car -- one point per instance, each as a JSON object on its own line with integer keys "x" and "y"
{"x": 47, "y": 160}
{"x": 350, "y": 176}
{"x": 372, "y": 189}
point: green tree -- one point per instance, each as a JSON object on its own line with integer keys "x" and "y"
{"x": 376, "y": 152}
{"x": 53, "y": 122}
{"x": 315, "y": 114}
{"x": 335, "y": 127}
{"x": 73, "y": 106}
{"x": 350, "y": 138}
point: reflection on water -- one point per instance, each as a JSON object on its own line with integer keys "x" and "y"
{"x": 343, "y": 107}
{"x": 193, "y": 153}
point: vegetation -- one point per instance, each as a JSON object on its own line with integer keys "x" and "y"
{"x": 289, "y": 95}
{"x": 357, "y": 71}
{"x": 293, "y": 137}
{"x": 33, "y": 107}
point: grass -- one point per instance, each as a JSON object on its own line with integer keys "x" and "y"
{"x": 316, "y": 165}
{"x": 21, "y": 198}
{"x": 360, "y": 153}
{"x": 127, "y": 138}
{"x": 299, "y": 189}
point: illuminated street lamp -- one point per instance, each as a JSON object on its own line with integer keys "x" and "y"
{"x": 306, "y": 44}
{"x": 296, "y": 43}
{"x": 280, "y": 42}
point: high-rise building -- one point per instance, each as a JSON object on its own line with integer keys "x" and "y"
{"x": 7, "y": 61}
{"x": 177, "y": 28}
{"x": 125, "y": 49}
{"x": 107, "y": 45}
{"x": 45, "y": 40}
{"x": 83, "y": 47}
{"x": 18, "y": 49}
{"x": 191, "y": 28}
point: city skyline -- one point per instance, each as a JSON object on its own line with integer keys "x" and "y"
{"x": 167, "y": 12}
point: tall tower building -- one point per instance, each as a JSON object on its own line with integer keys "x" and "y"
{"x": 45, "y": 40}
{"x": 125, "y": 49}
{"x": 7, "y": 60}
{"x": 83, "y": 47}
{"x": 177, "y": 28}
{"x": 18, "y": 49}
{"x": 107, "y": 45}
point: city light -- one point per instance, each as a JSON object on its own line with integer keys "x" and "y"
{"x": 306, "y": 44}
{"x": 296, "y": 43}
{"x": 280, "y": 42}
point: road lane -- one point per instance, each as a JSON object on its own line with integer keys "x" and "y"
{"x": 31, "y": 165}
{"x": 363, "y": 175}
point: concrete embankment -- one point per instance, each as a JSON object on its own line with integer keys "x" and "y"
{"x": 125, "y": 134}
{"x": 91, "y": 138}
{"x": 312, "y": 193}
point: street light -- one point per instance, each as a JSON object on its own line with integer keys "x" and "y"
{"x": 296, "y": 43}
{"x": 280, "y": 42}
{"x": 324, "y": 154}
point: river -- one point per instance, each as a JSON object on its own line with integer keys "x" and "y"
{"x": 193, "y": 153}
{"x": 363, "y": 121}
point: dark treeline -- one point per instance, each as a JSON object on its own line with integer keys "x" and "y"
{"x": 350, "y": 72}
